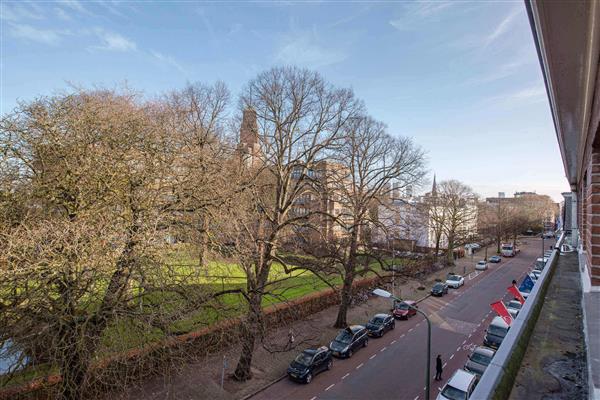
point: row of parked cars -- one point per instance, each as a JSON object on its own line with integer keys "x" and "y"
{"x": 313, "y": 361}
{"x": 463, "y": 381}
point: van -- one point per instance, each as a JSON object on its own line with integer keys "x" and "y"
{"x": 460, "y": 386}
{"x": 495, "y": 333}
{"x": 508, "y": 250}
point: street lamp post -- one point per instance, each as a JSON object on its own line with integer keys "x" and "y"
{"x": 386, "y": 294}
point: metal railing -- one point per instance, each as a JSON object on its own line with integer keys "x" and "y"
{"x": 501, "y": 372}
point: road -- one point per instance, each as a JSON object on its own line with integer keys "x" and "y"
{"x": 394, "y": 366}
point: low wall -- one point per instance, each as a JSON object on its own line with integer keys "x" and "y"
{"x": 497, "y": 380}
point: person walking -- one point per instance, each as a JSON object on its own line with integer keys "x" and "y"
{"x": 438, "y": 368}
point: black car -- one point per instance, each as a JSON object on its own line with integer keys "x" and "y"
{"x": 439, "y": 289}
{"x": 349, "y": 340}
{"x": 495, "y": 259}
{"x": 380, "y": 324}
{"x": 309, "y": 363}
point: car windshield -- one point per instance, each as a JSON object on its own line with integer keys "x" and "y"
{"x": 515, "y": 304}
{"x": 344, "y": 337}
{"x": 376, "y": 321}
{"x": 480, "y": 358}
{"x": 506, "y": 247}
{"x": 438, "y": 286}
{"x": 495, "y": 330}
{"x": 454, "y": 277}
{"x": 481, "y": 262}
{"x": 453, "y": 393}
{"x": 304, "y": 359}
{"x": 402, "y": 306}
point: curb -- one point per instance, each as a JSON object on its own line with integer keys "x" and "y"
{"x": 268, "y": 385}
{"x": 422, "y": 298}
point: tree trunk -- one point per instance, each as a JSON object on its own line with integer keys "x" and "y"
{"x": 249, "y": 331}
{"x": 345, "y": 299}
{"x": 74, "y": 368}
{"x": 203, "y": 245}
{"x": 450, "y": 252}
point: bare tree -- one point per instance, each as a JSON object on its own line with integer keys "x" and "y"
{"x": 459, "y": 207}
{"x": 360, "y": 178}
{"x": 299, "y": 117}
{"x": 91, "y": 174}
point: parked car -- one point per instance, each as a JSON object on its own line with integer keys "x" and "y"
{"x": 536, "y": 273}
{"x": 548, "y": 235}
{"x": 495, "y": 259}
{"x": 547, "y": 253}
{"x": 514, "y": 305}
{"x": 309, "y": 363}
{"x": 380, "y": 324}
{"x": 348, "y": 341}
{"x": 455, "y": 281}
{"x": 495, "y": 333}
{"x": 481, "y": 265}
{"x": 540, "y": 263}
{"x": 404, "y": 309}
{"x": 479, "y": 360}
{"x": 459, "y": 386}
{"x": 439, "y": 289}
{"x": 474, "y": 246}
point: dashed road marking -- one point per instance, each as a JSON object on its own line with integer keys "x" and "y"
{"x": 464, "y": 341}
{"x": 373, "y": 356}
{"x": 382, "y": 350}
{"x": 444, "y": 366}
{"x": 452, "y": 356}
{"x": 458, "y": 348}
{"x": 393, "y": 341}
{"x": 359, "y": 365}
{"x": 470, "y": 334}
{"x": 404, "y": 334}
{"x": 330, "y": 386}
{"x": 483, "y": 320}
{"x": 410, "y": 330}
{"x": 416, "y": 398}
{"x": 345, "y": 376}
{"x": 313, "y": 398}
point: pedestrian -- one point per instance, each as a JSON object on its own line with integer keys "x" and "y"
{"x": 438, "y": 368}
{"x": 291, "y": 339}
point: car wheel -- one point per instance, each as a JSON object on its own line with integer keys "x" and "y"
{"x": 329, "y": 364}
{"x": 308, "y": 378}
{"x": 366, "y": 343}
{"x": 393, "y": 326}
{"x": 349, "y": 354}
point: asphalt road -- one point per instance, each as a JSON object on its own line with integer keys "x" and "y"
{"x": 393, "y": 367}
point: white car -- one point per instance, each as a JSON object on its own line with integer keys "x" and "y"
{"x": 481, "y": 265}
{"x": 513, "y": 307}
{"x": 460, "y": 386}
{"x": 455, "y": 281}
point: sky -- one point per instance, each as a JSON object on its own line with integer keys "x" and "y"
{"x": 461, "y": 78}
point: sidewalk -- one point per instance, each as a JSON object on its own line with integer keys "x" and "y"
{"x": 554, "y": 365}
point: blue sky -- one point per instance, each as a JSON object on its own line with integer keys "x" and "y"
{"x": 461, "y": 78}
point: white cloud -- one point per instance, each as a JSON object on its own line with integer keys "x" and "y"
{"x": 415, "y": 12}
{"x": 15, "y": 12}
{"x": 168, "y": 60}
{"x": 112, "y": 41}
{"x": 75, "y": 5}
{"x": 500, "y": 72}
{"x": 62, "y": 14}
{"x": 30, "y": 33}
{"x": 528, "y": 95}
{"x": 502, "y": 27}
{"x": 303, "y": 48}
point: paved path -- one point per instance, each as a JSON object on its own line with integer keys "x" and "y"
{"x": 394, "y": 366}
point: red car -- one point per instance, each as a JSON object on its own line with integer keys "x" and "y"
{"x": 404, "y": 309}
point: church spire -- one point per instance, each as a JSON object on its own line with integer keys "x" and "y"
{"x": 434, "y": 187}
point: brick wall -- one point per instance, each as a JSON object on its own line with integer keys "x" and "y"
{"x": 590, "y": 215}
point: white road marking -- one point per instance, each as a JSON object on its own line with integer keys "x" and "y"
{"x": 410, "y": 330}
{"x": 464, "y": 341}
{"x": 470, "y": 334}
{"x": 404, "y": 334}
{"x": 416, "y": 398}
{"x": 452, "y": 356}
{"x": 393, "y": 341}
{"x": 458, "y": 348}
{"x": 382, "y": 350}
{"x": 359, "y": 365}
{"x": 345, "y": 376}
{"x": 373, "y": 356}
{"x": 313, "y": 398}
{"x": 330, "y": 386}
{"x": 483, "y": 320}
{"x": 444, "y": 366}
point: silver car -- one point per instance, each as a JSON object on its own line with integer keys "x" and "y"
{"x": 479, "y": 360}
